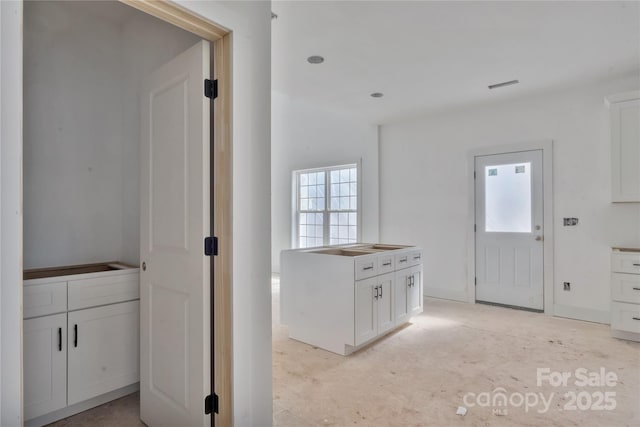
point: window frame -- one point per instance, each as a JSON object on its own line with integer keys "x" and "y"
{"x": 326, "y": 212}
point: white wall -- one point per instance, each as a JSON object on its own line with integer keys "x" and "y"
{"x": 10, "y": 213}
{"x": 83, "y": 74}
{"x": 250, "y": 22}
{"x": 431, "y": 154}
{"x": 306, "y": 136}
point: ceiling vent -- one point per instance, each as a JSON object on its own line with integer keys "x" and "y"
{"x": 315, "y": 59}
{"x": 503, "y": 84}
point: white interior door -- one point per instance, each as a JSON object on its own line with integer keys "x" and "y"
{"x": 175, "y": 217}
{"x": 509, "y": 229}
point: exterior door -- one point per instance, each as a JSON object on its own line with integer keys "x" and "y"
{"x": 509, "y": 229}
{"x": 175, "y": 328}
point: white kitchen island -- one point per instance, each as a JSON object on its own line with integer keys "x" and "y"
{"x": 341, "y": 298}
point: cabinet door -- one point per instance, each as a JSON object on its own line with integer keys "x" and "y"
{"x": 366, "y": 310}
{"x": 385, "y": 303}
{"x": 625, "y": 151}
{"x": 45, "y": 365}
{"x": 401, "y": 289}
{"x": 103, "y": 350}
{"x": 414, "y": 297}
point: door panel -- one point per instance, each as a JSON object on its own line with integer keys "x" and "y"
{"x": 103, "y": 350}
{"x": 401, "y": 288}
{"x": 175, "y": 218}
{"x": 366, "y": 310}
{"x": 45, "y": 365}
{"x": 414, "y": 297}
{"x": 385, "y": 303}
{"x": 509, "y": 229}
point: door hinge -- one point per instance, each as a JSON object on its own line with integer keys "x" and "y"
{"x": 474, "y": 174}
{"x": 475, "y": 281}
{"x": 211, "y": 404}
{"x": 211, "y": 88}
{"x": 474, "y": 228}
{"x": 211, "y": 246}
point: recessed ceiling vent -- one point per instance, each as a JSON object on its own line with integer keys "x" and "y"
{"x": 377, "y": 95}
{"x": 503, "y": 84}
{"x": 315, "y": 59}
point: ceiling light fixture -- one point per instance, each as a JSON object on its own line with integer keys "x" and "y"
{"x": 315, "y": 59}
{"x": 509, "y": 83}
{"x": 377, "y": 95}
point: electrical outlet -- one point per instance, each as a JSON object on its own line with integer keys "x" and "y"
{"x": 567, "y": 286}
{"x": 570, "y": 222}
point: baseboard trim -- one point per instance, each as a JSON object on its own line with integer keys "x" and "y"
{"x": 449, "y": 294}
{"x": 579, "y": 313}
{"x": 82, "y": 406}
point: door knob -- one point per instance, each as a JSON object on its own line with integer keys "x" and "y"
{"x": 538, "y": 238}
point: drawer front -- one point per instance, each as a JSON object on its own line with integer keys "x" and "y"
{"x": 103, "y": 290}
{"x": 43, "y": 299}
{"x": 402, "y": 260}
{"x": 625, "y": 262}
{"x": 385, "y": 264}
{"x": 625, "y": 317}
{"x": 415, "y": 258}
{"x": 625, "y": 287}
{"x": 367, "y": 267}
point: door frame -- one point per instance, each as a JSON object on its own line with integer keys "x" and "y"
{"x": 547, "y": 214}
{"x": 221, "y": 170}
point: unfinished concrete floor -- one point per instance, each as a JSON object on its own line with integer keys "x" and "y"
{"x": 419, "y": 375}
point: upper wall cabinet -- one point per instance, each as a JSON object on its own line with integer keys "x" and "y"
{"x": 624, "y": 110}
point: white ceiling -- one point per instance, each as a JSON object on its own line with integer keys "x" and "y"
{"x": 428, "y": 56}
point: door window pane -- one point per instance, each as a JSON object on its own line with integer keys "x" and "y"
{"x": 508, "y": 198}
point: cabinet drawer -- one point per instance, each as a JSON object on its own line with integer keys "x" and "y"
{"x": 385, "y": 264}
{"x": 402, "y": 260}
{"x": 625, "y": 262}
{"x": 625, "y": 287}
{"x": 45, "y": 298}
{"x": 415, "y": 258}
{"x": 366, "y": 267}
{"x": 103, "y": 290}
{"x": 625, "y": 317}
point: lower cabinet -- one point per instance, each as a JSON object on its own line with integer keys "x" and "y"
{"x": 103, "y": 350}
{"x": 407, "y": 294}
{"x": 45, "y": 364}
{"x": 373, "y": 307}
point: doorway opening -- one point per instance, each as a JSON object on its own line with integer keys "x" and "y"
{"x": 85, "y": 66}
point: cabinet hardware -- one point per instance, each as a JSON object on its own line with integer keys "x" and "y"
{"x": 376, "y": 296}
{"x": 386, "y": 264}
{"x": 635, "y": 264}
{"x": 380, "y": 291}
{"x": 636, "y": 289}
{"x": 368, "y": 268}
{"x": 635, "y": 318}
{"x": 59, "y": 339}
{"x": 403, "y": 259}
{"x": 416, "y": 257}
{"x": 75, "y": 335}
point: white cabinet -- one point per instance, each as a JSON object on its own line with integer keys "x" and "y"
{"x": 342, "y": 298}
{"x": 408, "y": 294}
{"x": 624, "y": 114}
{"x": 625, "y": 293}
{"x": 373, "y": 307}
{"x": 103, "y": 350}
{"x": 81, "y": 337}
{"x": 45, "y": 365}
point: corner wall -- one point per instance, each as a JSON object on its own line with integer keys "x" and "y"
{"x": 431, "y": 153}
{"x": 306, "y": 136}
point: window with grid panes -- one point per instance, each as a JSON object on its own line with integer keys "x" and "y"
{"x": 327, "y": 206}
